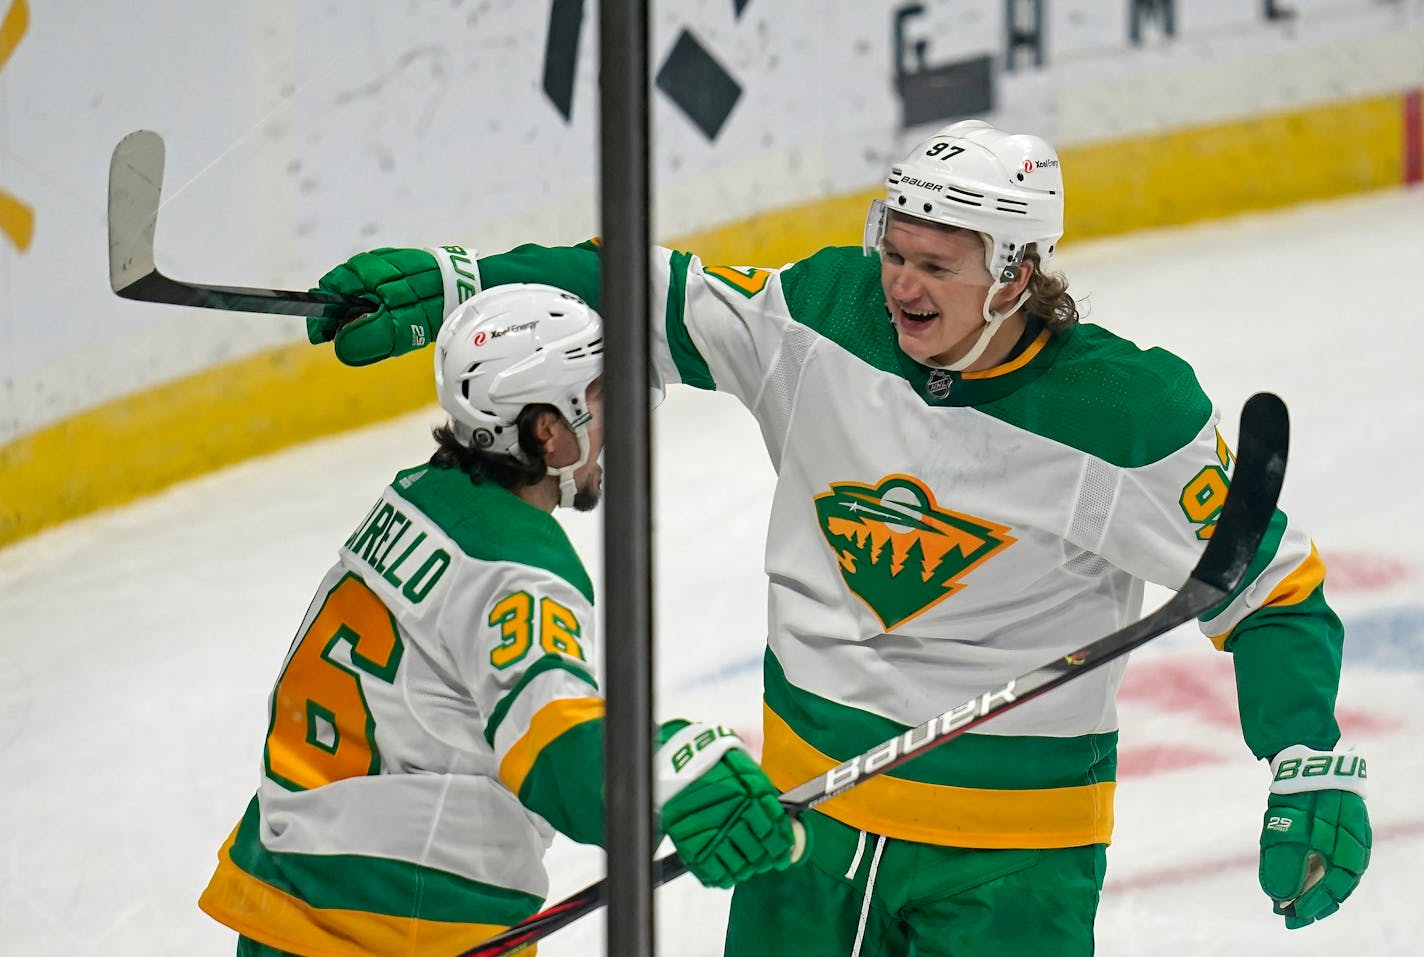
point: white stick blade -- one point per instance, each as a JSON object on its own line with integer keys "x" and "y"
{"x": 135, "y": 182}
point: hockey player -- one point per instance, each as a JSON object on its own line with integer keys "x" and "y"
{"x": 438, "y": 709}
{"x": 970, "y": 483}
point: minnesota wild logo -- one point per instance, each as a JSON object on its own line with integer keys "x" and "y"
{"x": 899, "y": 552}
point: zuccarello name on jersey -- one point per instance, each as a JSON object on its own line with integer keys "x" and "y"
{"x": 400, "y": 550}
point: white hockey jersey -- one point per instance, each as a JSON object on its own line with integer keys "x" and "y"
{"x": 934, "y": 534}
{"x": 436, "y": 711}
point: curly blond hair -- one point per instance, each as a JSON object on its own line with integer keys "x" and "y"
{"x": 1048, "y": 297}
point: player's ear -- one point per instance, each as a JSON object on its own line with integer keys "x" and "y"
{"x": 556, "y": 440}
{"x": 545, "y": 428}
{"x": 1016, "y": 276}
{"x": 1015, "y": 279}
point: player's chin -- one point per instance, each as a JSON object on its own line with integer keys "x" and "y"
{"x": 917, "y": 339}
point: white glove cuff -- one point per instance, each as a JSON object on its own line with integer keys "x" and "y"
{"x": 1298, "y": 769}
{"x": 458, "y": 273}
{"x": 688, "y": 755}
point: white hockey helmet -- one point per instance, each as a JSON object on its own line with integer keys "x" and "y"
{"x": 1006, "y": 186}
{"x": 511, "y": 346}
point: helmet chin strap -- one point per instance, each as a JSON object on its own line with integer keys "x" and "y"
{"x": 567, "y": 487}
{"x": 992, "y": 322}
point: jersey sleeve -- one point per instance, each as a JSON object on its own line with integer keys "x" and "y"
{"x": 722, "y": 327}
{"x": 1285, "y": 639}
{"x": 525, "y": 641}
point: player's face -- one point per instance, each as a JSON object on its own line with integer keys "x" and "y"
{"x": 588, "y": 478}
{"x": 935, "y": 282}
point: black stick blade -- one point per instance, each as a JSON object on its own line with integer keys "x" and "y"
{"x": 1262, "y": 449}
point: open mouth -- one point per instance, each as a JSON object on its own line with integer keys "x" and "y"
{"x": 917, "y": 320}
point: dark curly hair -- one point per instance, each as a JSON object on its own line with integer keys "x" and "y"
{"x": 511, "y": 472}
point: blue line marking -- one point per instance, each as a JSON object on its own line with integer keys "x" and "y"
{"x": 1386, "y": 638}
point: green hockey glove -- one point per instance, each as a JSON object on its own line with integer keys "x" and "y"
{"x": 720, "y": 809}
{"x": 411, "y": 290}
{"x": 1315, "y": 844}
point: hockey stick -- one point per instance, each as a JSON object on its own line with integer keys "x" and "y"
{"x": 135, "y": 184}
{"x": 1250, "y": 504}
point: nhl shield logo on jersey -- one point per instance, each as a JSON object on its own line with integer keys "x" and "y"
{"x": 937, "y": 386}
{"x": 898, "y": 551}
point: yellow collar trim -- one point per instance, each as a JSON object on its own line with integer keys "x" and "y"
{"x": 1014, "y": 364}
